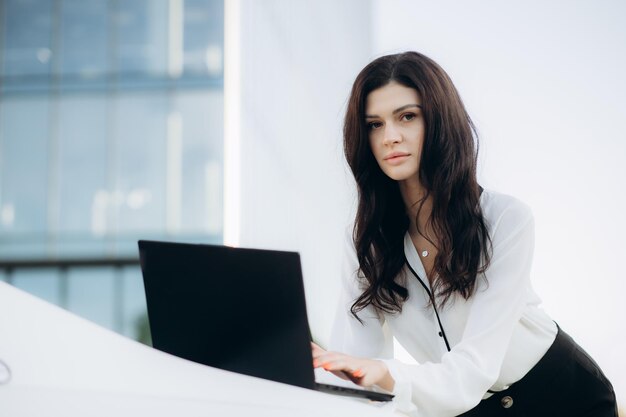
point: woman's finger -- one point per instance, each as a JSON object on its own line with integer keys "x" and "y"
{"x": 352, "y": 370}
{"x": 338, "y": 363}
{"x": 316, "y": 350}
{"x": 363, "y": 372}
{"x": 315, "y": 346}
{"x": 327, "y": 357}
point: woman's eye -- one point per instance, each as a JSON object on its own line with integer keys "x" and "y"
{"x": 408, "y": 116}
{"x": 374, "y": 125}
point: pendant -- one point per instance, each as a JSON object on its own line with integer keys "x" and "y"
{"x": 424, "y": 253}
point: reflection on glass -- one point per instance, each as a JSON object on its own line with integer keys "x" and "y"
{"x": 141, "y": 36}
{"x": 27, "y": 32}
{"x": 82, "y": 163}
{"x": 84, "y": 38}
{"x": 24, "y": 163}
{"x": 202, "y": 132}
{"x": 140, "y": 134}
{"x": 204, "y": 37}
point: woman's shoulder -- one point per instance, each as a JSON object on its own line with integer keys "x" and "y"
{"x": 501, "y": 208}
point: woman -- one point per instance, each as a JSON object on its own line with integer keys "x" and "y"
{"x": 444, "y": 266}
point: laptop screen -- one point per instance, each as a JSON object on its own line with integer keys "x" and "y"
{"x": 242, "y": 310}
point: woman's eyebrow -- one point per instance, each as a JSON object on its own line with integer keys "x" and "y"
{"x": 399, "y": 109}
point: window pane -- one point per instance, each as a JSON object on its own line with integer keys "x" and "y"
{"x": 204, "y": 37}
{"x": 27, "y": 33}
{"x": 141, "y": 35}
{"x": 43, "y": 283}
{"x": 24, "y": 165}
{"x": 82, "y": 163}
{"x": 84, "y": 33}
{"x": 140, "y": 136}
{"x": 91, "y": 294}
{"x": 201, "y": 189}
{"x": 82, "y": 188}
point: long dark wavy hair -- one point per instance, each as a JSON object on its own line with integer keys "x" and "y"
{"x": 447, "y": 171}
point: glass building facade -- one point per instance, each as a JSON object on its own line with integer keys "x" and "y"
{"x": 111, "y": 130}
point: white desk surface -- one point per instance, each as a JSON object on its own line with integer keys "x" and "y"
{"x": 63, "y": 365}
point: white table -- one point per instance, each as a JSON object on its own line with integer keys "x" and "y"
{"x": 64, "y": 365}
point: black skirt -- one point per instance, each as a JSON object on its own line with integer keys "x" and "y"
{"x": 565, "y": 382}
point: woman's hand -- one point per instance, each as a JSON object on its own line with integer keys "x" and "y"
{"x": 363, "y": 372}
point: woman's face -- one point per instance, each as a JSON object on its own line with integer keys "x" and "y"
{"x": 396, "y": 130}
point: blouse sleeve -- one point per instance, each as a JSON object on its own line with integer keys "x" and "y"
{"x": 464, "y": 375}
{"x": 369, "y": 339}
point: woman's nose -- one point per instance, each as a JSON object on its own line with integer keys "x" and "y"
{"x": 392, "y": 135}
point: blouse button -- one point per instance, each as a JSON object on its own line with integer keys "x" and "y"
{"x": 507, "y": 402}
{"x": 440, "y": 334}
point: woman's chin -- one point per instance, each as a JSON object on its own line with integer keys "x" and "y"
{"x": 401, "y": 176}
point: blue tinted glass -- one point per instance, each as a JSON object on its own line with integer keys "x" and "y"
{"x": 204, "y": 37}
{"x": 27, "y": 30}
{"x": 91, "y": 294}
{"x": 24, "y": 246}
{"x": 201, "y": 114}
{"x": 43, "y": 283}
{"x": 84, "y": 38}
{"x": 141, "y": 36}
{"x": 24, "y": 164}
{"x": 83, "y": 167}
{"x": 141, "y": 164}
{"x": 123, "y": 149}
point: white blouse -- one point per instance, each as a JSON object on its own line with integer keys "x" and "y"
{"x": 496, "y": 336}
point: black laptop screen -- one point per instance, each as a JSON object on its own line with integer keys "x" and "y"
{"x": 241, "y": 310}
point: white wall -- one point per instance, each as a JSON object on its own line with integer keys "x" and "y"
{"x": 545, "y": 82}
{"x": 298, "y": 60}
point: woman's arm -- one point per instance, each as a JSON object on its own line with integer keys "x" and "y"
{"x": 367, "y": 339}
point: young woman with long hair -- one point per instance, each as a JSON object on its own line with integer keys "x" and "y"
{"x": 444, "y": 266}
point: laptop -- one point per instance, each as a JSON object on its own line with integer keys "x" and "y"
{"x": 242, "y": 310}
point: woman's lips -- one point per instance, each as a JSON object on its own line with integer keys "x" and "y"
{"x": 396, "y": 159}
